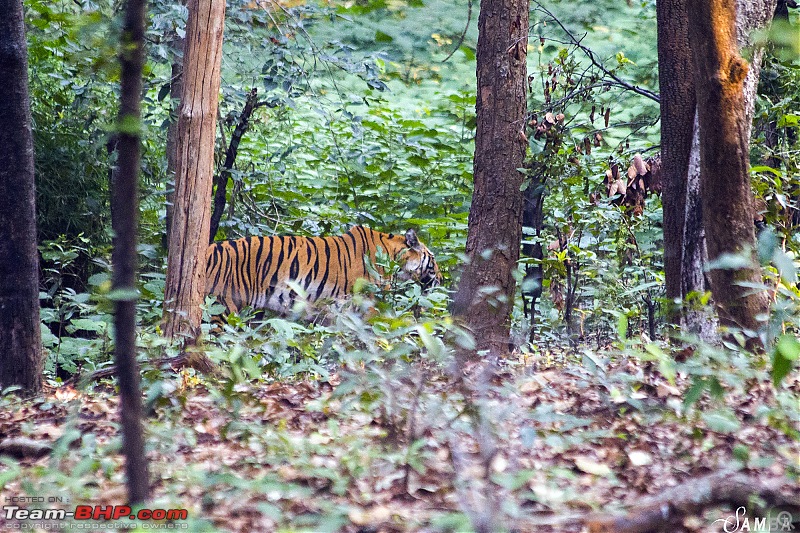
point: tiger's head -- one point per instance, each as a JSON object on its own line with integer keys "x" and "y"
{"x": 417, "y": 261}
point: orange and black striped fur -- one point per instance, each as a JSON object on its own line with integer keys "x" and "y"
{"x": 256, "y": 271}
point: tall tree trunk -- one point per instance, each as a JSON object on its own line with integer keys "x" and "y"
{"x": 676, "y": 87}
{"x": 185, "y": 285}
{"x": 696, "y": 320}
{"x": 683, "y": 214}
{"x": 176, "y": 96}
{"x": 125, "y": 204}
{"x": 485, "y": 295}
{"x": 724, "y": 157}
{"x": 20, "y": 337}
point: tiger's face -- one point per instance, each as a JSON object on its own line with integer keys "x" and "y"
{"x": 418, "y": 262}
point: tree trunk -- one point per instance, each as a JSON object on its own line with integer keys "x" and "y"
{"x": 485, "y": 295}
{"x": 696, "y": 320}
{"x": 533, "y": 218}
{"x": 20, "y": 337}
{"x": 125, "y": 204}
{"x": 176, "y": 96}
{"x": 724, "y": 158}
{"x": 185, "y": 285}
{"x": 676, "y": 87}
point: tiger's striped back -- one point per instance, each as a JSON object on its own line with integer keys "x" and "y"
{"x": 256, "y": 271}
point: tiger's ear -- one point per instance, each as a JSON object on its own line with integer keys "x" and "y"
{"x": 411, "y": 239}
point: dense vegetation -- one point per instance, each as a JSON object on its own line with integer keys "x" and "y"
{"x": 366, "y": 115}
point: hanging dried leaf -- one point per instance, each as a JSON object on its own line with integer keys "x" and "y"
{"x": 641, "y": 166}
{"x": 598, "y": 138}
{"x": 550, "y": 118}
{"x": 560, "y": 117}
{"x": 607, "y": 116}
{"x": 591, "y": 115}
{"x": 587, "y": 145}
{"x": 631, "y": 172}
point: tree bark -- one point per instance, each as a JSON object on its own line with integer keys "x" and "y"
{"x": 20, "y": 336}
{"x": 185, "y": 285}
{"x": 720, "y": 75}
{"x": 676, "y": 88}
{"x": 485, "y": 295}
{"x": 125, "y": 208}
{"x": 695, "y": 320}
{"x": 176, "y": 96}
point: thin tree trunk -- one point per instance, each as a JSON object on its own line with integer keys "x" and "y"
{"x": 724, "y": 158}
{"x": 695, "y": 320}
{"x": 20, "y": 337}
{"x": 485, "y": 295}
{"x": 125, "y": 204}
{"x": 676, "y": 88}
{"x": 533, "y": 218}
{"x": 185, "y": 285}
{"x": 176, "y": 96}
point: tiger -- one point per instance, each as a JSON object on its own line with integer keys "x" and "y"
{"x": 256, "y": 272}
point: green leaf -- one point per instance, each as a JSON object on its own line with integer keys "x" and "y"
{"x": 695, "y": 391}
{"x": 785, "y": 266}
{"x": 163, "y": 92}
{"x": 721, "y": 420}
{"x": 786, "y": 352}
{"x": 86, "y": 324}
{"x": 122, "y": 295}
{"x": 130, "y": 125}
{"x": 468, "y": 52}
{"x": 381, "y": 37}
{"x": 789, "y": 347}
{"x": 764, "y": 168}
{"x": 788, "y": 121}
{"x": 729, "y": 262}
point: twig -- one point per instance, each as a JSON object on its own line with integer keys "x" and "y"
{"x": 463, "y": 34}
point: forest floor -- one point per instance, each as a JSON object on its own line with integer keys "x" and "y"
{"x": 544, "y": 445}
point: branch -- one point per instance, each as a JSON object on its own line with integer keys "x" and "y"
{"x": 463, "y": 34}
{"x": 664, "y": 512}
{"x": 230, "y": 157}
{"x": 596, "y": 62}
